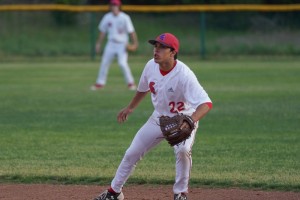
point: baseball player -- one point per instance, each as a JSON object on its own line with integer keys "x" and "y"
{"x": 174, "y": 89}
{"x": 117, "y": 25}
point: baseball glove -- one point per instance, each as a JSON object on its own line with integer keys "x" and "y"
{"x": 171, "y": 128}
{"x": 131, "y": 47}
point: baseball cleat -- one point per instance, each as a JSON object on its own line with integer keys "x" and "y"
{"x": 106, "y": 195}
{"x": 96, "y": 87}
{"x": 180, "y": 196}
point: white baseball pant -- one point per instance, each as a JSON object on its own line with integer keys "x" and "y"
{"x": 147, "y": 138}
{"x": 111, "y": 50}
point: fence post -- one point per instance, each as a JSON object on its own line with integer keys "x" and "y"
{"x": 202, "y": 34}
{"x": 92, "y": 35}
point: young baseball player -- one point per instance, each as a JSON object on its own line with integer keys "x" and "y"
{"x": 117, "y": 25}
{"x": 174, "y": 89}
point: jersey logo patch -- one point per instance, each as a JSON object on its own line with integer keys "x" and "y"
{"x": 151, "y": 86}
{"x": 170, "y": 89}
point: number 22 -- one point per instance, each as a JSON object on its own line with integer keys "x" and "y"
{"x": 176, "y": 107}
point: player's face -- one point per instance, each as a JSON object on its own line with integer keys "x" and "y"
{"x": 115, "y": 9}
{"x": 162, "y": 53}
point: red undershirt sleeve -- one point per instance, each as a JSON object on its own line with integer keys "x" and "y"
{"x": 210, "y": 105}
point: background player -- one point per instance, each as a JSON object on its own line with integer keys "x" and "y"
{"x": 174, "y": 89}
{"x": 117, "y": 25}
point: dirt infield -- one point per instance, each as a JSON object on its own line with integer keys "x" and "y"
{"x": 139, "y": 192}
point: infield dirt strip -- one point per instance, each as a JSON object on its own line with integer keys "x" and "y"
{"x": 131, "y": 192}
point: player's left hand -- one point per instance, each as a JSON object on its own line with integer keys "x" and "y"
{"x": 185, "y": 125}
{"x": 176, "y": 129}
{"x": 131, "y": 47}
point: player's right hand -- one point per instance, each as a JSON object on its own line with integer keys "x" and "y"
{"x": 123, "y": 114}
{"x": 98, "y": 47}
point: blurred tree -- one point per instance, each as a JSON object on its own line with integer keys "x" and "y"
{"x": 63, "y": 18}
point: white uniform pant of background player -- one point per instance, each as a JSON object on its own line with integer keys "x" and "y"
{"x": 146, "y": 138}
{"x": 111, "y": 50}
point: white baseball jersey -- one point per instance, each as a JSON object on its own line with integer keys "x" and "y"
{"x": 179, "y": 91}
{"x": 117, "y": 27}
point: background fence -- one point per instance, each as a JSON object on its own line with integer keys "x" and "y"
{"x": 206, "y": 30}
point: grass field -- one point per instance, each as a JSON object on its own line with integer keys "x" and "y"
{"x": 53, "y": 129}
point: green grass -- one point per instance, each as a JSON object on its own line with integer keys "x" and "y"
{"x": 53, "y": 129}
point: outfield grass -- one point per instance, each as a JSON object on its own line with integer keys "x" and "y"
{"x": 54, "y": 129}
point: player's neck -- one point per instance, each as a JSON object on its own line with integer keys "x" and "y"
{"x": 167, "y": 66}
{"x": 116, "y": 14}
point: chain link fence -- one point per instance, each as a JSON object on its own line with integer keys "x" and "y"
{"x": 59, "y": 33}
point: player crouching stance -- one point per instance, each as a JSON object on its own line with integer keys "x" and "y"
{"x": 175, "y": 90}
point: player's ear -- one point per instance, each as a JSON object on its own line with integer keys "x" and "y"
{"x": 173, "y": 52}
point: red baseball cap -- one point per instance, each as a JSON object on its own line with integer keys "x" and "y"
{"x": 115, "y": 2}
{"x": 166, "y": 39}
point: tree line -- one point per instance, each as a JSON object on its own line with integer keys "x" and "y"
{"x": 152, "y": 2}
